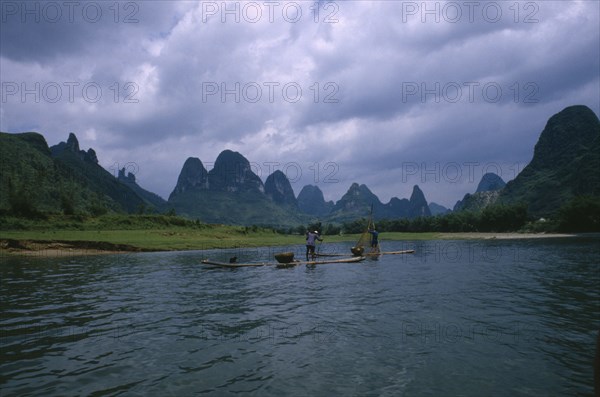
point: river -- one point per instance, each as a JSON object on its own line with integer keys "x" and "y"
{"x": 456, "y": 318}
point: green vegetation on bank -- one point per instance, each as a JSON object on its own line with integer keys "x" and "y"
{"x": 169, "y": 232}
{"x": 154, "y": 232}
{"x": 147, "y": 232}
{"x": 163, "y": 233}
{"x": 579, "y": 215}
{"x": 163, "y": 239}
{"x": 35, "y": 182}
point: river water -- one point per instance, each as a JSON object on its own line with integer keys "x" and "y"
{"x": 457, "y": 318}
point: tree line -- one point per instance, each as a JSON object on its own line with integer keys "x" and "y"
{"x": 581, "y": 214}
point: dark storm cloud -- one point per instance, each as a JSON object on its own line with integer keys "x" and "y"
{"x": 382, "y": 83}
{"x": 41, "y": 31}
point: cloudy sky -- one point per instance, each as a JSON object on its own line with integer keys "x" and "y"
{"x": 385, "y": 93}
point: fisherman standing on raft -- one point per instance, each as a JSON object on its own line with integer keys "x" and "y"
{"x": 374, "y": 240}
{"x": 311, "y": 237}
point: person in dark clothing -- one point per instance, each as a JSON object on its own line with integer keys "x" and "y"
{"x": 311, "y": 238}
{"x": 374, "y": 238}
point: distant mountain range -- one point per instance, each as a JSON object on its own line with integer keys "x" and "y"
{"x": 65, "y": 179}
{"x": 358, "y": 199}
{"x": 232, "y": 193}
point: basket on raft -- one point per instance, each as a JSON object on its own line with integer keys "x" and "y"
{"x": 285, "y": 257}
{"x": 357, "y": 251}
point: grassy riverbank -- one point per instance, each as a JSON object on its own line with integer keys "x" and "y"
{"x": 182, "y": 238}
{"x": 118, "y": 233}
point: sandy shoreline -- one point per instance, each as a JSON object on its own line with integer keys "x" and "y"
{"x": 51, "y": 248}
{"x": 502, "y": 236}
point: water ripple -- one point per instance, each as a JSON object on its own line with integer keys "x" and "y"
{"x": 457, "y": 318}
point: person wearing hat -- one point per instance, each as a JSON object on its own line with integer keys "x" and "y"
{"x": 311, "y": 238}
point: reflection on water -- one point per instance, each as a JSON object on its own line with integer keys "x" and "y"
{"x": 466, "y": 318}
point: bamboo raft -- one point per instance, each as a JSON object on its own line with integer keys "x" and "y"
{"x": 323, "y": 262}
{"x": 372, "y": 253}
{"x": 281, "y": 265}
{"x": 390, "y": 253}
{"x": 226, "y": 264}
